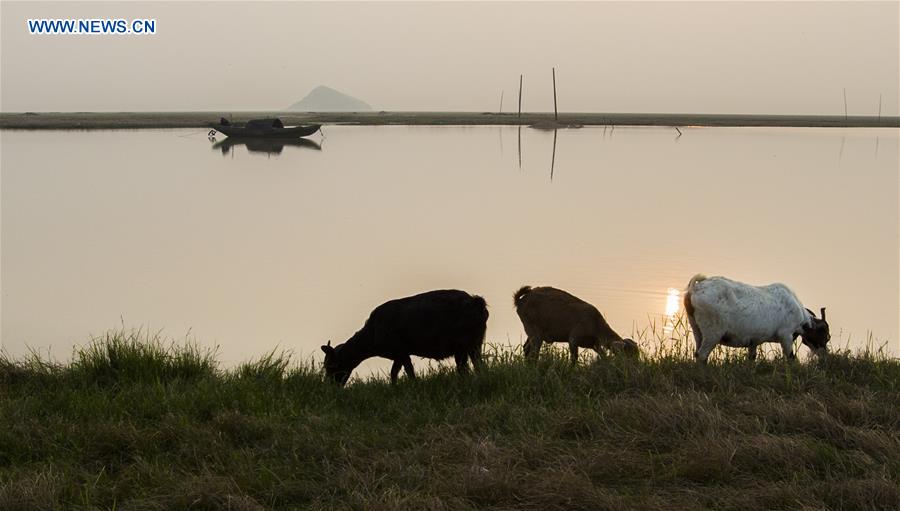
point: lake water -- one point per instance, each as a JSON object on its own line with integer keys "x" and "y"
{"x": 249, "y": 248}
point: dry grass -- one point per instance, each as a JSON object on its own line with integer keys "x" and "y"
{"x": 134, "y": 422}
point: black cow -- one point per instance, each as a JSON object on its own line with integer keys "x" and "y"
{"x": 437, "y": 325}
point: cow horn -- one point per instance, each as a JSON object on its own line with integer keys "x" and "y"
{"x": 823, "y": 313}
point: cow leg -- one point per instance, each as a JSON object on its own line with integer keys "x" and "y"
{"x": 407, "y": 365}
{"x": 600, "y": 346}
{"x": 395, "y": 370}
{"x": 787, "y": 346}
{"x": 710, "y": 340}
{"x": 461, "y": 366}
{"x": 532, "y": 347}
{"x": 573, "y": 350}
{"x": 751, "y": 352}
{"x": 698, "y": 336}
{"x": 475, "y": 357}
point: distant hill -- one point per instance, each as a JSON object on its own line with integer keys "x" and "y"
{"x": 326, "y": 99}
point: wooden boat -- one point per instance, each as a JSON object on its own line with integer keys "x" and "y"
{"x": 264, "y": 128}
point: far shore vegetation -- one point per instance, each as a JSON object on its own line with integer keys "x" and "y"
{"x": 133, "y": 421}
{"x": 545, "y": 120}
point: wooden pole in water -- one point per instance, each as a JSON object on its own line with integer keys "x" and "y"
{"x": 555, "y": 114}
{"x": 520, "y": 96}
{"x": 501, "y": 102}
{"x": 845, "y": 103}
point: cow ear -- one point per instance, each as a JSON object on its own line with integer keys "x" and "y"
{"x": 327, "y": 349}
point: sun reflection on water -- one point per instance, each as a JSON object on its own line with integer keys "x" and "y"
{"x": 673, "y": 302}
{"x": 673, "y": 305}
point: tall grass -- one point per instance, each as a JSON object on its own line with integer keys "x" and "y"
{"x": 137, "y": 422}
{"x": 138, "y": 355}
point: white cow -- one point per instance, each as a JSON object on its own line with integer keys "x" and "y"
{"x": 723, "y": 311}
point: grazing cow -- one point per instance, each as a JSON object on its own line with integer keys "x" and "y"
{"x": 723, "y": 311}
{"x": 553, "y": 315}
{"x": 436, "y": 324}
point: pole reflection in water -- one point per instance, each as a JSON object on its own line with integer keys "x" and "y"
{"x": 520, "y": 147}
{"x": 553, "y": 158}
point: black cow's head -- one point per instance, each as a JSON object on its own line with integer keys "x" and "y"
{"x": 816, "y": 334}
{"x": 337, "y": 369}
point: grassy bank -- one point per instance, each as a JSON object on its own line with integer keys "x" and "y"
{"x": 134, "y": 423}
{"x": 129, "y": 120}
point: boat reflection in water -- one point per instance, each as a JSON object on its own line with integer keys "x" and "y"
{"x": 268, "y": 146}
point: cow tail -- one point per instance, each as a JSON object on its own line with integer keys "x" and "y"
{"x": 520, "y": 294}
{"x": 481, "y": 305}
{"x": 689, "y": 308}
{"x": 688, "y": 305}
{"x": 480, "y": 309}
{"x": 695, "y": 279}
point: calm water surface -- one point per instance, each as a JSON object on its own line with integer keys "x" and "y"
{"x": 256, "y": 247}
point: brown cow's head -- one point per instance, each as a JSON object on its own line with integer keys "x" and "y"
{"x": 626, "y": 347}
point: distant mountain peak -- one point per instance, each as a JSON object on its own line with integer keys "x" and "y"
{"x": 326, "y": 99}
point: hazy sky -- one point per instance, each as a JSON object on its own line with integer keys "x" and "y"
{"x": 716, "y": 57}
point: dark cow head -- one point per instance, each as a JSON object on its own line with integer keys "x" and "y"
{"x": 337, "y": 368}
{"x": 816, "y": 334}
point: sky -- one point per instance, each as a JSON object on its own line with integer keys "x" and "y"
{"x": 676, "y": 57}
